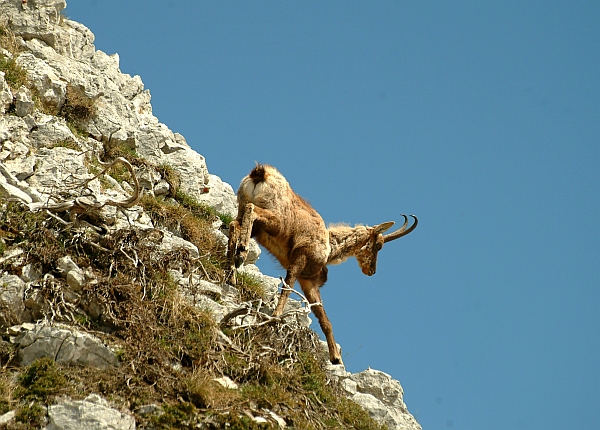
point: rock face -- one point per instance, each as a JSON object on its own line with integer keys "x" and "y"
{"x": 379, "y": 394}
{"x": 92, "y": 413}
{"x": 43, "y": 161}
{"x": 11, "y": 298}
{"x": 63, "y": 344}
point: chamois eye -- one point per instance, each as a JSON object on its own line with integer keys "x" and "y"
{"x": 378, "y": 246}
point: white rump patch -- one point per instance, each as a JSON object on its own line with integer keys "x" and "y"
{"x": 252, "y": 191}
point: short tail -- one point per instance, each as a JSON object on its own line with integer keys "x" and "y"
{"x": 258, "y": 173}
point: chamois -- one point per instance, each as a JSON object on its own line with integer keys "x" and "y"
{"x": 290, "y": 229}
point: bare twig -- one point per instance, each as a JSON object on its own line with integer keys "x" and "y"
{"x": 85, "y": 204}
{"x": 304, "y": 300}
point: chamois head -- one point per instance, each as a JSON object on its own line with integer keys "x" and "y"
{"x": 367, "y": 254}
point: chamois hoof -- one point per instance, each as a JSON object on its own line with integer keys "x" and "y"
{"x": 231, "y": 278}
{"x": 240, "y": 257}
{"x": 336, "y": 361}
{"x": 239, "y": 261}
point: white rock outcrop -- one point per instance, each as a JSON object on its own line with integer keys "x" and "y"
{"x": 92, "y": 413}
{"x": 12, "y": 289}
{"x": 6, "y": 96}
{"x": 61, "y": 343}
{"x": 379, "y": 394}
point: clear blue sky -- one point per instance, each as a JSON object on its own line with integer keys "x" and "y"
{"x": 482, "y": 118}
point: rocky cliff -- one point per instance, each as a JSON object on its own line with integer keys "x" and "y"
{"x": 113, "y": 306}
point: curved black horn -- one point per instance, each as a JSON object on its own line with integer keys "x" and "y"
{"x": 402, "y": 231}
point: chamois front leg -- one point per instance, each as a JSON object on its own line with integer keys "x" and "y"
{"x": 240, "y": 231}
{"x": 234, "y": 237}
{"x": 286, "y": 290}
{"x": 295, "y": 268}
{"x": 242, "y": 248}
{"x": 310, "y": 288}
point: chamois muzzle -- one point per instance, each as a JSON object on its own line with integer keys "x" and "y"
{"x": 402, "y": 231}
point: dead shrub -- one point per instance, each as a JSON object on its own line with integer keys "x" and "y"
{"x": 78, "y": 107}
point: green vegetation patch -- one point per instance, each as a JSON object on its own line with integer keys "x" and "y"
{"x": 14, "y": 75}
{"x": 8, "y": 39}
{"x": 200, "y": 209}
{"x": 77, "y": 108}
{"x": 70, "y": 144}
{"x": 40, "y": 380}
{"x": 193, "y": 222}
{"x": 126, "y": 150}
{"x": 251, "y": 288}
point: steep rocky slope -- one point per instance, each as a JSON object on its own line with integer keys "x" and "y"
{"x": 112, "y": 300}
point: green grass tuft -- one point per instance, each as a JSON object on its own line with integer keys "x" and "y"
{"x": 251, "y": 288}
{"x": 78, "y": 107}
{"x": 14, "y": 75}
{"x": 40, "y": 380}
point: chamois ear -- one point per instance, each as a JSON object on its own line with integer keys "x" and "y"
{"x": 383, "y": 227}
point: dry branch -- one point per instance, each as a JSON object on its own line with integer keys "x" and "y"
{"x": 85, "y": 204}
{"x": 259, "y": 318}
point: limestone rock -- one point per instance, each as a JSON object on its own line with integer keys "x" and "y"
{"x": 219, "y": 195}
{"x": 161, "y": 188}
{"x": 171, "y": 242}
{"x": 31, "y": 194}
{"x": 7, "y": 417}
{"x": 61, "y": 169}
{"x": 66, "y": 264}
{"x": 31, "y": 273}
{"x": 12, "y": 289}
{"x": 63, "y": 344}
{"x": 149, "y": 409}
{"x": 380, "y": 385}
{"x": 14, "y": 128}
{"x": 9, "y": 191}
{"x": 35, "y": 21}
{"x": 218, "y": 310}
{"x": 24, "y": 105}
{"x": 75, "y": 280}
{"x": 93, "y": 412}
{"x": 254, "y": 252}
{"x": 226, "y": 382}
{"x": 49, "y": 86}
{"x": 6, "y": 96}
{"x": 204, "y": 287}
{"x": 49, "y": 131}
{"x": 74, "y": 276}
{"x": 378, "y": 394}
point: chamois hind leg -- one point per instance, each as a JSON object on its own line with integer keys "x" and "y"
{"x": 310, "y": 287}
